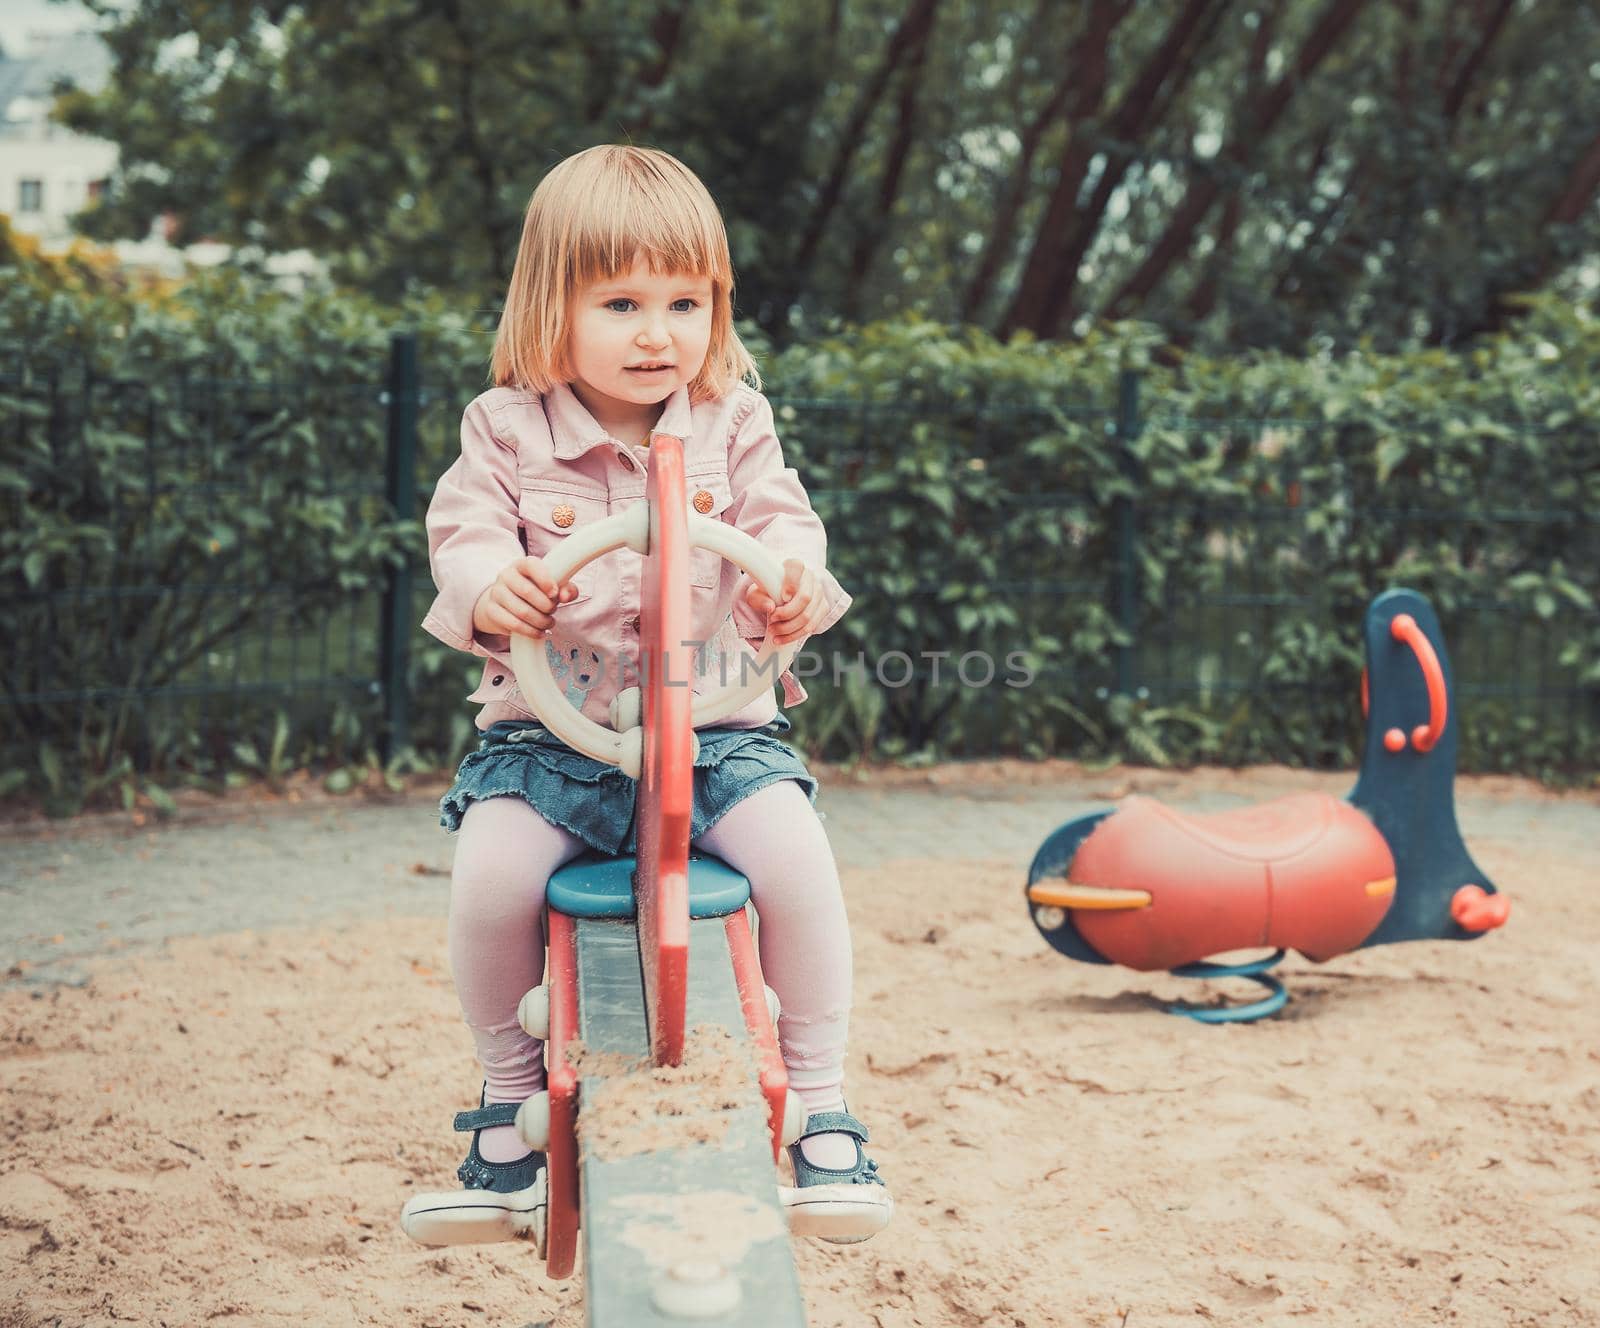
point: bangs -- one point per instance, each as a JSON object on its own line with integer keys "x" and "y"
{"x": 642, "y": 210}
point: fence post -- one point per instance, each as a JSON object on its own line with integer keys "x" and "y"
{"x": 403, "y": 398}
{"x": 1127, "y": 428}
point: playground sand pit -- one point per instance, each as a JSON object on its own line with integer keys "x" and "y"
{"x": 640, "y": 1107}
{"x": 226, "y": 1130}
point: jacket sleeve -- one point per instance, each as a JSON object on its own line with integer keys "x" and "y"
{"x": 473, "y": 533}
{"x": 770, "y": 505}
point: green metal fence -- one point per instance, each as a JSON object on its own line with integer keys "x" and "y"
{"x": 151, "y": 614}
{"x": 1245, "y": 619}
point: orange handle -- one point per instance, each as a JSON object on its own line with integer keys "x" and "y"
{"x": 1404, "y": 628}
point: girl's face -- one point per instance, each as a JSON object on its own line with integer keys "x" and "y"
{"x": 636, "y": 339}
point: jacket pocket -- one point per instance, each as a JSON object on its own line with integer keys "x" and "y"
{"x": 709, "y": 496}
{"x": 499, "y": 683}
{"x": 549, "y": 515}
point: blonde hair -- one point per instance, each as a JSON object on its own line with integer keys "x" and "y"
{"x": 586, "y": 222}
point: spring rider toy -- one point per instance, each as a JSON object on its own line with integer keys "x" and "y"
{"x": 644, "y": 954}
{"x": 1152, "y": 888}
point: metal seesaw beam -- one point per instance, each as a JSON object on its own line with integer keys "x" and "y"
{"x": 698, "y": 1223}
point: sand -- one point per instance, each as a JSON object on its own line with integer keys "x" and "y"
{"x": 637, "y": 1107}
{"x": 225, "y": 1131}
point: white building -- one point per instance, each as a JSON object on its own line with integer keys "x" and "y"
{"x": 49, "y": 173}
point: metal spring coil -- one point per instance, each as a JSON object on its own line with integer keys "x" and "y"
{"x": 1256, "y": 970}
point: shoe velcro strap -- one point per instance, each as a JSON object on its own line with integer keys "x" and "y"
{"x": 834, "y": 1122}
{"x": 501, "y": 1113}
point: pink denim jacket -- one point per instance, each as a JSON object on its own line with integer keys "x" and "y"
{"x": 534, "y": 468}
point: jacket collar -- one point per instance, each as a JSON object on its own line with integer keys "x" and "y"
{"x": 573, "y": 431}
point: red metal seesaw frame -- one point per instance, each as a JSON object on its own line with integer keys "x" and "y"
{"x": 661, "y": 882}
{"x": 666, "y": 786}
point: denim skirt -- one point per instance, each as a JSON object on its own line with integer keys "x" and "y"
{"x": 595, "y": 801}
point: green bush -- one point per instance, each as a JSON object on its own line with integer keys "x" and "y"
{"x": 193, "y": 529}
{"x": 974, "y": 493}
{"x": 192, "y": 503}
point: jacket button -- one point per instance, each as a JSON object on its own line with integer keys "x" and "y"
{"x": 498, "y": 679}
{"x": 563, "y": 515}
{"x": 627, "y": 461}
{"x": 703, "y": 502}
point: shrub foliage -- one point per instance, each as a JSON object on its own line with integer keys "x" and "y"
{"x": 1172, "y": 555}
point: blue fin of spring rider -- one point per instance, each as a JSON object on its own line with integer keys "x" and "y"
{"x": 1409, "y": 793}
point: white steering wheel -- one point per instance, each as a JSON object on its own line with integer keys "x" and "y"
{"x": 623, "y": 744}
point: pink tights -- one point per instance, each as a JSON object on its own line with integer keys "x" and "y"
{"x": 506, "y": 851}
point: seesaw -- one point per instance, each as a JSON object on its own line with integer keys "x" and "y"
{"x": 651, "y": 965}
{"x": 1151, "y": 888}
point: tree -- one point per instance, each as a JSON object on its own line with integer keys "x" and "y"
{"x": 400, "y": 139}
{"x": 1240, "y": 172}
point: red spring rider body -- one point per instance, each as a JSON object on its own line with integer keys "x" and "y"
{"x": 1153, "y": 888}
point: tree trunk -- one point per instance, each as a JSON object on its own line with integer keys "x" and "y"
{"x": 498, "y": 230}
{"x": 1257, "y": 122}
{"x": 870, "y": 236}
{"x": 917, "y": 18}
{"x": 1066, "y": 231}
{"x": 665, "y": 31}
{"x": 1456, "y": 97}
{"x": 1204, "y": 296}
{"x": 997, "y": 244}
{"x": 1060, "y": 291}
{"x": 1452, "y": 82}
{"x": 1092, "y": 76}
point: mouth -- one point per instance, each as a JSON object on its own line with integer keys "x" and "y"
{"x": 648, "y": 369}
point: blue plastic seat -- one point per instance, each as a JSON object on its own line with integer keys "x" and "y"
{"x": 595, "y": 886}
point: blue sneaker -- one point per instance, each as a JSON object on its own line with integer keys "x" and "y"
{"x": 840, "y": 1206}
{"x": 498, "y": 1201}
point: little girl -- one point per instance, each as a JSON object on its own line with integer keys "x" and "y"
{"x": 618, "y": 325}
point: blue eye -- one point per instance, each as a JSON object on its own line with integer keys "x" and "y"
{"x": 623, "y": 305}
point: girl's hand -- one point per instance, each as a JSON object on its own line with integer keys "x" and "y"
{"x": 801, "y": 610}
{"x": 521, "y": 601}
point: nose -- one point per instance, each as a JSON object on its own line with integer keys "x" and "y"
{"x": 654, "y": 335}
